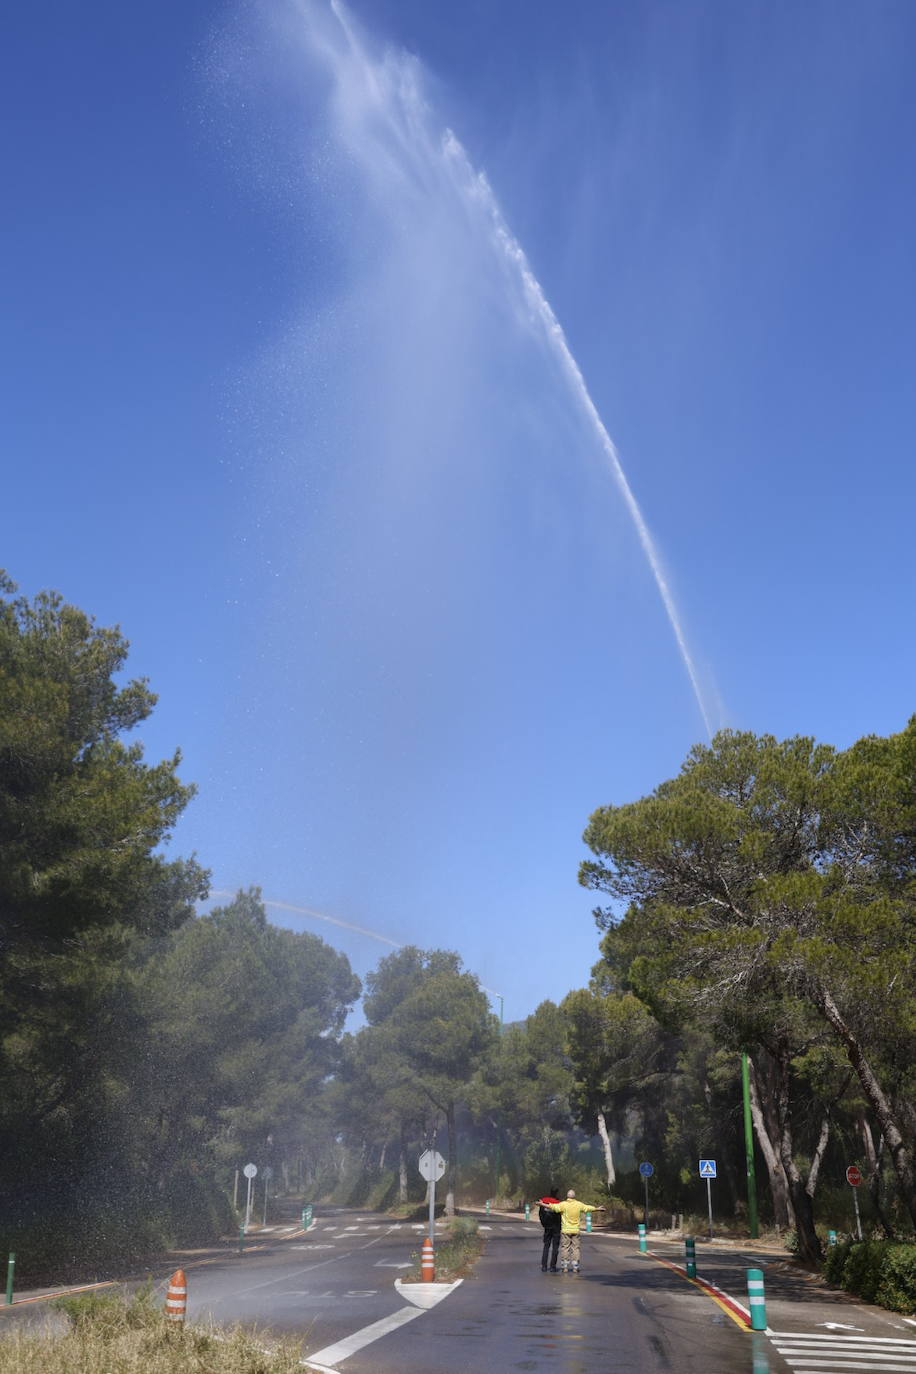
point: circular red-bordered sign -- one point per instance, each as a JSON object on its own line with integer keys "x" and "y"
{"x": 853, "y": 1176}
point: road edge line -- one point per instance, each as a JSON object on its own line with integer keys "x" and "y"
{"x": 739, "y": 1315}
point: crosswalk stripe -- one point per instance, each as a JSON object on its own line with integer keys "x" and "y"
{"x": 817, "y": 1352}
{"x": 837, "y": 1366}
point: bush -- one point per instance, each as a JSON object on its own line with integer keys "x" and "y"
{"x": 456, "y": 1253}
{"x": 878, "y": 1271}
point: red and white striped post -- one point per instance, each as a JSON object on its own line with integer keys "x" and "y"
{"x": 176, "y": 1299}
{"x": 427, "y": 1262}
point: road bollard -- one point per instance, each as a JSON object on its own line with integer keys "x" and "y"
{"x": 756, "y": 1300}
{"x": 588, "y": 1221}
{"x": 643, "y": 1245}
{"x": 527, "y": 1211}
{"x": 488, "y": 1206}
{"x": 10, "y": 1267}
{"x": 176, "y": 1299}
{"x": 831, "y": 1237}
{"x": 241, "y": 1240}
{"x": 690, "y": 1246}
{"x": 427, "y": 1262}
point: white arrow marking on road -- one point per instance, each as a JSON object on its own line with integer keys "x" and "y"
{"x": 392, "y": 1264}
{"x": 839, "y": 1326}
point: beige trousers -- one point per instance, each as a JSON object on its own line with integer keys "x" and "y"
{"x": 569, "y": 1250}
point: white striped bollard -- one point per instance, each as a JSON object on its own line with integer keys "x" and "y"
{"x": 756, "y": 1300}
{"x": 690, "y": 1248}
{"x": 642, "y": 1237}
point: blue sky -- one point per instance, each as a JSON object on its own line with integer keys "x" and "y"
{"x": 277, "y": 403}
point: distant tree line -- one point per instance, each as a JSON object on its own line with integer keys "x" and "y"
{"x": 761, "y": 902}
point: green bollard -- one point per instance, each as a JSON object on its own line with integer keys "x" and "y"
{"x": 241, "y": 1240}
{"x": 588, "y": 1221}
{"x": 488, "y": 1206}
{"x": 643, "y": 1244}
{"x": 691, "y": 1247}
{"x": 308, "y": 1214}
{"x": 756, "y": 1300}
{"x": 10, "y": 1267}
{"x": 831, "y": 1237}
{"x": 527, "y": 1211}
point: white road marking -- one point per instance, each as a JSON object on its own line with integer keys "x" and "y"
{"x": 361, "y": 1292}
{"x": 342, "y": 1350}
{"x": 392, "y": 1264}
{"x": 832, "y": 1354}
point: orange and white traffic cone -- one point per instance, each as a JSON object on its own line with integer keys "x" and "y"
{"x": 176, "y": 1299}
{"x": 427, "y": 1262}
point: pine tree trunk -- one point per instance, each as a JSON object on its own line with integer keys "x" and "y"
{"x": 809, "y": 1246}
{"x": 402, "y": 1168}
{"x": 451, "y": 1168}
{"x": 783, "y": 1215}
{"x": 900, "y": 1155}
{"x": 608, "y": 1152}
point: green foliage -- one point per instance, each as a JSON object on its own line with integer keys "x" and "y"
{"x": 882, "y": 1272}
{"x": 767, "y": 893}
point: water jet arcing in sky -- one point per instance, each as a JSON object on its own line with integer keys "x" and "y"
{"x": 384, "y": 111}
{"x": 315, "y": 915}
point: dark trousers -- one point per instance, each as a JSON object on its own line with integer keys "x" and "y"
{"x": 551, "y": 1246}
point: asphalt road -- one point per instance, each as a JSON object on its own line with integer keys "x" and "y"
{"x": 625, "y": 1313}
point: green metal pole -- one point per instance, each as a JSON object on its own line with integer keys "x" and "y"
{"x": 753, "y": 1222}
{"x": 11, "y": 1265}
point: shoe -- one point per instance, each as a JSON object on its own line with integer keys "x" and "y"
{"x": 543, "y": 1268}
{"x": 554, "y": 1269}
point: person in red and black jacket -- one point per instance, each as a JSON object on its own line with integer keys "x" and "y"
{"x": 552, "y": 1223}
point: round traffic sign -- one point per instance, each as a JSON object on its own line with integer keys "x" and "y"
{"x": 250, "y": 1170}
{"x": 647, "y": 1169}
{"x": 853, "y": 1175}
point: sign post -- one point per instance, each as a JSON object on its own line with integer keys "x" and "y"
{"x": 250, "y": 1171}
{"x": 708, "y": 1171}
{"x": 647, "y": 1170}
{"x": 432, "y": 1167}
{"x": 854, "y": 1178}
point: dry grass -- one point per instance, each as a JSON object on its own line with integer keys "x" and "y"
{"x": 112, "y": 1335}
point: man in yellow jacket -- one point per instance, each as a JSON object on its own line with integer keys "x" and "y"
{"x": 571, "y": 1213}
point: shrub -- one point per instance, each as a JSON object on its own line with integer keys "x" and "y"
{"x": 878, "y": 1271}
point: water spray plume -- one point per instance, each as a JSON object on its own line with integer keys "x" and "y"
{"x": 390, "y": 97}
{"x": 316, "y": 915}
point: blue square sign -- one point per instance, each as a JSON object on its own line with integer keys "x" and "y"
{"x": 707, "y": 1168}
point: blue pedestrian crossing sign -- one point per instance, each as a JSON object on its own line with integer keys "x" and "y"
{"x": 707, "y": 1168}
